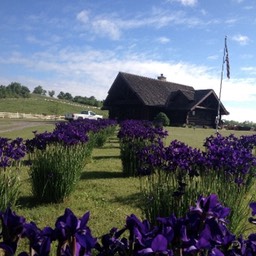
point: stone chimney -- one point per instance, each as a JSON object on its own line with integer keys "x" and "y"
{"x": 161, "y": 78}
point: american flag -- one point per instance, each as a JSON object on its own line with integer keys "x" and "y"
{"x": 227, "y": 59}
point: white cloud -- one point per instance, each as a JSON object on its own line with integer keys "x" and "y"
{"x": 83, "y": 16}
{"x": 112, "y": 25}
{"x": 163, "y": 40}
{"x": 241, "y": 39}
{"x": 250, "y": 70}
{"x": 185, "y": 2}
{"x": 231, "y": 21}
{"x": 213, "y": 57}
{"x": 32, "y": 39}
{"x": 106, "y": 27}
{"x": 188, "y": 2}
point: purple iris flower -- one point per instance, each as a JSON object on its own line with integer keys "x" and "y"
{"x": 111, "y": 243}
{"x": 253, "y": 207}
{"x": 40, "y": 240}
{"x": 158, "y": 246}
{"x": 12, "y": 229}
{"x": 211, "y": 207}
{"x": 74, "y": 232}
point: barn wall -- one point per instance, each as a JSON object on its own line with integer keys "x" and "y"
{"x": 202, "y": 117}
{"x": 177, "y": 117}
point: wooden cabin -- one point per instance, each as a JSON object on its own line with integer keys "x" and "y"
{"x": 142, "y": 98}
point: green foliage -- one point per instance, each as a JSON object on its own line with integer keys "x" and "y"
{"x": 128, "y": 155}
{"x": 64, "y": 96}
{"x": 87, "y": 101}
{"x": 39, "y": 90}
{"x": 9, "y": 188}
{"x": 51, "y": 93}
{"x": 15, "y": 90}
{"x": 56, "y": 170}
{"x": 160, "y": 197}
{"x": 100, "y": 137}
{"x": 129, "y": 159}
{"x": 162, "y": 119}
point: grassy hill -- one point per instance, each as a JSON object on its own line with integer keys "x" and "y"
{"x": 37, "y": 104}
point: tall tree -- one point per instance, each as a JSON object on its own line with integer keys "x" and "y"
{"x": 39, "y": 90}
{"x": 25, "y": 92}
{"x": 61, "y": 95}
{"x": 51, "y": 93}
{"x": 15, "y": 89}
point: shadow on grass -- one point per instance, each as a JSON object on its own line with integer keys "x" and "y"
{"x": 113, "y": 140}
{"x": 101, "y": 175}
{"x": 135, "y": 200}
{"x": 28, "y": 202}
{"x": 105, "y": 157}
{"x": 110, "y": 146}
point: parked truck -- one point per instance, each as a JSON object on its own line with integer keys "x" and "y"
{"x": 86, "y": 114}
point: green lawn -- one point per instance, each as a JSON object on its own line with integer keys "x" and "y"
{"x": 102, "y": 190}
{"x": 196, "y": 137}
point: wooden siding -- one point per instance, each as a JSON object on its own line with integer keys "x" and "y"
{"x": 201, "y": 117}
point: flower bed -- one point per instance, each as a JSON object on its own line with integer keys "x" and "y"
{"x": 202, "y": 231}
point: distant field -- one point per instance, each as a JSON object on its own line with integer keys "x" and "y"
{"x": 44, "y": 105}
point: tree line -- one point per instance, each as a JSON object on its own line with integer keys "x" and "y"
{"x": 16, "y": 90}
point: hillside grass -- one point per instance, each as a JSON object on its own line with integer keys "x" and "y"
{"x": 38, "y": 104}
{"x": 102, "y": 189}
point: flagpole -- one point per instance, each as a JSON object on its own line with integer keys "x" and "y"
{"x": 221, "y": 79}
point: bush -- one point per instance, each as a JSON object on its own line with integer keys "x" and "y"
{"x": 133, "y": 136}
{"x": 162, "y": 119}
{"x": 55, "y": 171}
{"x": 100, "y": 137}
{"x": 11, "y": 152}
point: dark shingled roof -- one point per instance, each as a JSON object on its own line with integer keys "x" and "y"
{"x": 154, "y": 92}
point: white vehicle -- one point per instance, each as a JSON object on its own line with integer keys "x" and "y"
{"x": 86, "y": 114}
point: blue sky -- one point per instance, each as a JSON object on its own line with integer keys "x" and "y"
{"x": 79, "y": 46}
